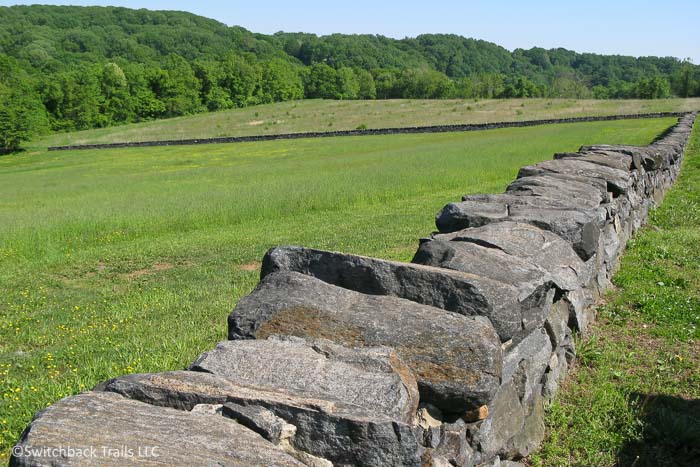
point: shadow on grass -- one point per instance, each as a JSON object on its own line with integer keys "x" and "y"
{"x": 7, "y": 152}
{"x": 671, "y": 432}
{"x": 663, "y": 134}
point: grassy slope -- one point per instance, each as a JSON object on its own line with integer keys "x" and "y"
{"x": 319, "y": 115}
{"x": 635, "y": 396}
{"x": 130, "y": 260}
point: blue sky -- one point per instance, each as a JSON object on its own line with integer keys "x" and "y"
{"x": 624, "y": 27}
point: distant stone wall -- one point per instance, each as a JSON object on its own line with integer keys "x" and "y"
{"x": 336, "y": 359}
{"x": 368, "y": 132}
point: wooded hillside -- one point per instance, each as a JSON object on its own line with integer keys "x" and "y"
{"x": 67, "y": 68}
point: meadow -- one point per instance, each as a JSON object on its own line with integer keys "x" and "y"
{"x": 330, "y": 115}
{"x": 129, "y": 260}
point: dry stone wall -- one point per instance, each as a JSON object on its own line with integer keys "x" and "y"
{"x": 337, "y": 359}
{"x": 368, "y": 132}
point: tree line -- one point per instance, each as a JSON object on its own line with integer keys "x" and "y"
{"x": 73, "y": 68}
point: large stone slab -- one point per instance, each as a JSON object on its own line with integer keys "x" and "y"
{"x": 575, "y": 181}
{"x": 508, "y": 308}
{"x": 548, "y": 186}
{"x": 540, "y": 247}
{"x": 456, "y": 359}
{"x": 618, "y": 181}
{"x": 614, "y": 160}
{"x": 580, "y": 227}
{"x": 340, "y": 432}
{"x": 372, "y": 378}
{"x": 515, "y": 201}
{"x": 108, "y": 429}
{"x": 493, "y": 263}
{"x": 469, "y": 214}
{"x": 650, "y": 158}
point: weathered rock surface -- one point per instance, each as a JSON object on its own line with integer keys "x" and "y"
{"x": 580, "y": 227}
{"x": 372, "y": 378}
{"x": 650, "y": 158}
{"x": 535, "y": 287}
{"x": 260, "y": 420}
{"x": 514, "y": 201}
{"x": 555, "y": 375}
{"x": 456, "y": 359}
{"x": 113, "y": 430}
{"x": 526, "y": 441}
{"x": 454, "y": 447}
{"x": 505, "y": 420}
{"x": 611, "y": 159}
{"x": 589, "y": 192}
{"x": 618, "y": 181}
{"x": 575, "y": 181}
{"x": 272, "y": 428}
{"x": 557, "y": 323}
{"x": 580, "y": 313}
{"x": 467, "y": 213}
{"x": 525, "y": 363}
{"x": 335, "y": 430}
{"x": 489, "y": 262}
{"x": 612, "y": 245}
{"x": 540, "y": 247}
{"x": 507, "y": 307}
{"x": 430, "y": 421}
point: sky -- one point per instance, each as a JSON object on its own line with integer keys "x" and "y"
{"x": 637, "y": 28}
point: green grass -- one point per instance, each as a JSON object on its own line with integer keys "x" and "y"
{"x": 123, "y": 261}
{"x": 634, "y": 398}
{"x": 325, "y": 115}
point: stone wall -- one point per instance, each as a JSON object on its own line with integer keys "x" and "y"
{"x": 368, "y": 132}
{"x": 349, "y": 360}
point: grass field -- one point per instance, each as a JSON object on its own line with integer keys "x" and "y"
{"x": 634, "y": 398}
{"x": 120, "y": 261}
{"x": 325, "y": 115}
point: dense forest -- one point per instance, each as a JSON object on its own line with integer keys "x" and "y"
{"x": 69, "y": 68}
